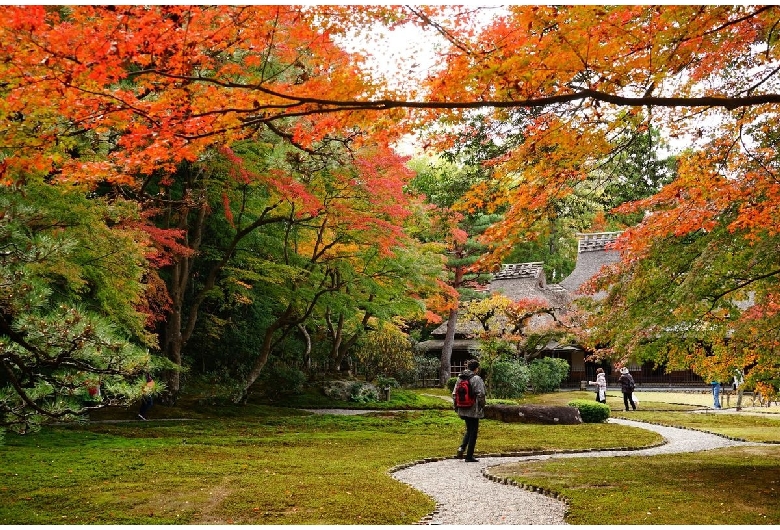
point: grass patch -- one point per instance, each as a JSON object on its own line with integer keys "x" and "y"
{"x": 647, "y": 400}
{"x": 735, "y": 486}
{"x": 261, "y": 464}
{"x": 749, "y": 427}
{"x": 400, "y": 399}
{"x": 268, "y": 465}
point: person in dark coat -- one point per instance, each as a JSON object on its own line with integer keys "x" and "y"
{"x": 472, "y": 414}
{"x": 627, "y": 387}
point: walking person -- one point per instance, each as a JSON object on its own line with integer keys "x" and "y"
{"x": 627, "y": 386}
{"x": 601, "y": 385}
{"x": 716, "y": 393}
{"x": 146, "y": 396}
{"x": 739, "y": 380}
{"x": 469, "y": 399}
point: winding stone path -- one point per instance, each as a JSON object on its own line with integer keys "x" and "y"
{"x": 464, "y": 496}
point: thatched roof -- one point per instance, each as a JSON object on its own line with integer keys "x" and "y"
{"x": 464, "y": 329}
{"x": 519, "y": 281}
{"x": 593, "y": 253}
{"x": 437, "y": 344}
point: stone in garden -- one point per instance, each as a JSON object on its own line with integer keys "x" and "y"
{"x": 544, "y": 414}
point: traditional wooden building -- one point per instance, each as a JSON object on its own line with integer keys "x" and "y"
{"x": 527, "y": 280}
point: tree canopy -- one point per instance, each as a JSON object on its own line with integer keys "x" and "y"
{"x": 154, "y": 104}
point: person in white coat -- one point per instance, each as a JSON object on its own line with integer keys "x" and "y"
{"x": 601, "y": 385}
{"x": 739, "y": 380}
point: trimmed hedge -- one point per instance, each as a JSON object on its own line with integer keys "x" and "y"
{"x": 591, "y": 411}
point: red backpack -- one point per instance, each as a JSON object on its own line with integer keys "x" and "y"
{"x": 464, "y": 394}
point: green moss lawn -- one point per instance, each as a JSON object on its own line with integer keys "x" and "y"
{"x": 262, "y": 464}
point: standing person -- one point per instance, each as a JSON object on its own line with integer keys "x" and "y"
{"x": 146, "y": 396}
{"x": 470, "y": 407}
{"x": 739, "y": 379}
{"x": 601, "y": 385}
{"x": 627, "y": 387}
{"x": 716, "y": 393}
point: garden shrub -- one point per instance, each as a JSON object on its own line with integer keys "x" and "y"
{"x": 508, "y": 379}
{"x": 451, "y": 383}
{"x": 423, "y": 369}
{"x": 363, "y": 392}
{"x": 591, "y": 411}
{"x": 547, "y": 374}
{"x": 279, "y": 380}
{"x": 387, "y": 382}
{"x": 385, "y": 351}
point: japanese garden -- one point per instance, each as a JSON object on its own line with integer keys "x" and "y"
{"x": 245, "y": 252}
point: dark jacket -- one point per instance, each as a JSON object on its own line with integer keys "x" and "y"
{"x": 477, "y": 410}
{"x": 626, "y": 383}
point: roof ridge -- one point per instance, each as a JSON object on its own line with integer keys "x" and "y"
{"x": 594, "y": 241}
{"x": 531, "y": 269}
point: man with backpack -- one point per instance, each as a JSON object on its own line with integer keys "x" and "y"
{"x": 469, "y": 399}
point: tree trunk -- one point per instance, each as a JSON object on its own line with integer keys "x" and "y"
{"x": 343, "y": 345}
{"x": 307, "y": 352}
{"x": 337, "y": 333}
{"x": 446, "y": 349}
{"x": 259, "y": 364}
{"x": 173, "y": 341}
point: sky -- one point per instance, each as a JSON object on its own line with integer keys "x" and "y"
{"x": 405, "y": 55}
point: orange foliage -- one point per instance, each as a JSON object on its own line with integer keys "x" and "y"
{"x": 116, "y": 93}
{"x": 165, "y": 82}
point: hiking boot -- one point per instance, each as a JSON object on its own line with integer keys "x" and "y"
{"x": 470, "y": 459}
{"x": 459, "y": 454}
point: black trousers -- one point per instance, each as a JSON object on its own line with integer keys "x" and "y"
{"x": 470, "y": 438}
{"x": 146, "y": 404}
{"x": 628, "y": 399}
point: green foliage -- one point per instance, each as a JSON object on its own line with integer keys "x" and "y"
{"x": 591, "y": 411}
{"x": 493, "y": 349}
{"x": 387, "y": 382}
{"x": 547, "y": 373}
{"x": 556, "y": 247}
{"x": 386, "y": 351}
{"x": 509, "y": 379}
{"x": 363, "y": 393}
{"x": 70, "y": 279}
{"x": 451, "y": 383}
{"x": 635, "y": 170}
{"x": 424, "y": 368}
{"x": 504, "y": 378}
{"x": 279, "y": 380}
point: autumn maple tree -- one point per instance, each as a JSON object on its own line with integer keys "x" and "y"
{"x": 146, "y": 103}
{"x": 703, "y": 74}
{"x": 125, "y": 99}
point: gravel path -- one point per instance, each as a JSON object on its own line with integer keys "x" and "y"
{"x": 471, "y": 498}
